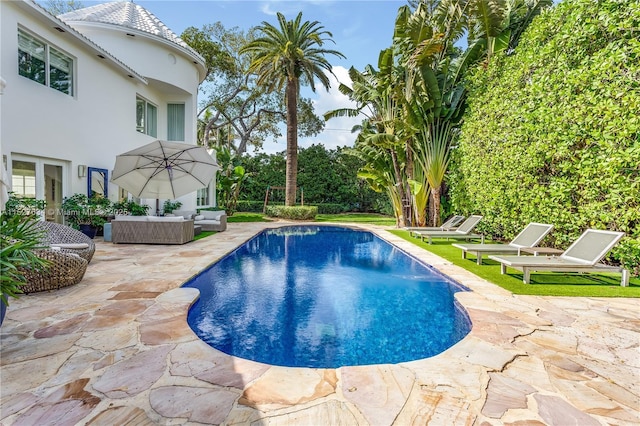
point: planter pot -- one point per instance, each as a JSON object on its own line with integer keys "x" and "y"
{"x": 89, "y": 230}
{"x": 3, "y": 311}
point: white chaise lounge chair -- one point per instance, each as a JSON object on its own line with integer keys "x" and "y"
{"x": 583, "y": 255}
{"x": 463, "y": 232}
{"x": 449, "y": 225}
{"x": 528, "y": 237}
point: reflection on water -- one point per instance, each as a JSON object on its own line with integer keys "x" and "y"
{"x": 324, "y": 296}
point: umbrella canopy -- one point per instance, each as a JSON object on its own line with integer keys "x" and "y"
{"x": 164, "y": 169}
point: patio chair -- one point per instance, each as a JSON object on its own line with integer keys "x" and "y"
{"x": 67, "y": 239}
{"x": 463, "y": 232}
{"x": 64, "y": 269}
{"x": 449, "y": 225}
{"x": 583, "y": 255}
{"x": 530, "y": 236}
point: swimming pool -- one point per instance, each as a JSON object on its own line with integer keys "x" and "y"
{"x": 325, "y": 297}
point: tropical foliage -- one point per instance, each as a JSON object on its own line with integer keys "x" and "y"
{"x": 414, "y": 102}
{"x": 230, "y": 179}
{"x": 552, "y": 132}
{"x": 18, "y": 239}
{"x": 285, "y": 58}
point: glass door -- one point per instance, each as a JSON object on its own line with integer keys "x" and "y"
{"x": 53, "y": 192}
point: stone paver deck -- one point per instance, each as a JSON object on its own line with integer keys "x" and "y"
{"x": 116, "y": 349}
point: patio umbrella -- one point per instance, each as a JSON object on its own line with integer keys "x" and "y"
{"x": 164, "y": 169}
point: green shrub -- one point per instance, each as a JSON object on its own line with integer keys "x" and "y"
{"x": 170, "y": 206}
{"x": 333, "y": 208}
{"x": 250, "y": 206}
{"x": 132, "y": 208}
{"x": 26, "y": 207}
{"x": 552, "y": 132}
{"x": 293, "y": 212}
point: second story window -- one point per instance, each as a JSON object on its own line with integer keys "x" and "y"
{"x": 44, "y": 64}
{"x": 175, "y": 122}
{"x": 146, "y": 117}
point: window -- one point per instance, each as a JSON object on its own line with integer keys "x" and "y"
{"x": 146, "y": 117}
{"x": 203, "y": 197}
{"x": 175, "y": 122}
{"x": 23, "y": 179}
{"x": 44, "y": 64}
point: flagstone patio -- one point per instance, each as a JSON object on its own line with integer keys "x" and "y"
{"x": 116, "y": 349}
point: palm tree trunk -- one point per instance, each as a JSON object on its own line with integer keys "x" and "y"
{"x": 402, "y": 219}
{"x": 435, "y": 194}
{"x": 292, "y": 142}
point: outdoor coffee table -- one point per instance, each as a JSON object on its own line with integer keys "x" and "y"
{"x": 197, "y": 229}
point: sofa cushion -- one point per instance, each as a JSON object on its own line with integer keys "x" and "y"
{"x": 166, "y": 219}
{"x": 212, "y": 215}
{"x": 187, "y": 214}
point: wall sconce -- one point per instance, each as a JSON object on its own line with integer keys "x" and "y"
{"x": 82, "y": 170}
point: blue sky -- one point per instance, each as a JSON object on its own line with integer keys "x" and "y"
{"x": 360, "y": 30}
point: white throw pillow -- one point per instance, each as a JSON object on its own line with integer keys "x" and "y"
{"x": 199, "y": 217}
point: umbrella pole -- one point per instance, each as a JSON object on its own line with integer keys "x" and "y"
{"x": 157, "y": 207}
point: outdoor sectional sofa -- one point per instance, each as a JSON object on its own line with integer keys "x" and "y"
{"x": 151, "y": 230}
{"x": 209, "y": 220}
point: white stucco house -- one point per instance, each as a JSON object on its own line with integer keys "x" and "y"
{"x": 83, "y": 87}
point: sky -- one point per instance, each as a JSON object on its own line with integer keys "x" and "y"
{"x": 360, "y": 29}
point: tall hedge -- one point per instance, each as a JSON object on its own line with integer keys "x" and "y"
{"x": 552, "y": 131}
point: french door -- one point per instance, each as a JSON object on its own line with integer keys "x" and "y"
{"x": 40, "y": 178}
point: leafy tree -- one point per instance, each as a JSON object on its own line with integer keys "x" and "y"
{"x": 287, "y": 57}
{"x": 58, "y": 7}
{"x": 338, "y": 184}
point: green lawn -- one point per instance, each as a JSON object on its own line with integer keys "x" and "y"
{"x": 247, "y": 217}
{"x": 542, "y": 284}
{"x": 376, "y": 219}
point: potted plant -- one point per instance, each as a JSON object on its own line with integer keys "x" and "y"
{"x": 169, "y": 206}
{"x": 130, "y": 208}
{"x": 30, "y": 208}
{"x": 19, "y": 237}
{"x": 86, "y": 214}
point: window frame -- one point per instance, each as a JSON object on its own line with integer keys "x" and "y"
{"x": 49, "y": 65}
{"x": 148, "y": 126}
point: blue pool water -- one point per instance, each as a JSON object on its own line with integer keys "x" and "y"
{"x": 325, "y": 297}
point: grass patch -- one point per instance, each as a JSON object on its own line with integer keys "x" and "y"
{"x": 203, "y": 234}
{"x": 542, "y": 284}
{"x": 376, "y": 219}
{"x": 247, "y": 217}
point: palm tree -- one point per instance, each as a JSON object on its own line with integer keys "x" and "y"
{"x": 286, "y": 57}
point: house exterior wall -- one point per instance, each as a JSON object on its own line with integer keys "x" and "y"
{"x": 168, "y": 70}
{"x": 99, "y": 121}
